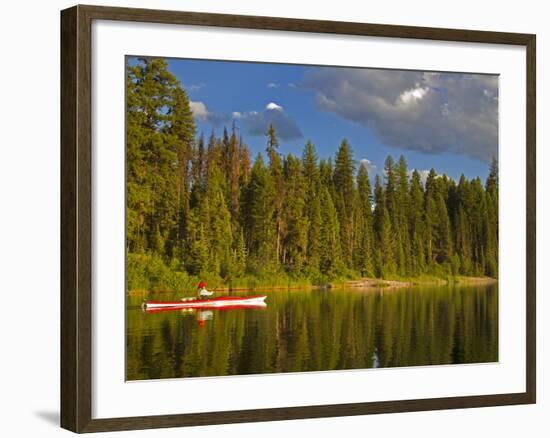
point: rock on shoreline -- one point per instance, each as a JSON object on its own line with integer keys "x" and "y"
{"x": 375, "y": 283}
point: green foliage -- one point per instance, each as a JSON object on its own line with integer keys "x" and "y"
{"x": 259, "y": 214}
{"x": 330, "y": 249}
{"x": 199, "y": 209}
{"x": 294, "y": 220}
{"x": 150, "y": 273}
{"x": 345, "y": 199}
{"x": 160, "y": 137}
{"x": 364, "y": 254}
{"x": 312, "y": 207}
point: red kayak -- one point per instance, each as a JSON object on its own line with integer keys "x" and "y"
{"x": 237, "y": 302}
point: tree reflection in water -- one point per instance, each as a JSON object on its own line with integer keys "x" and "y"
{"x": 317, "y": 330}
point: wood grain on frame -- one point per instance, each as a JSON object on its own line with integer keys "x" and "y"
{"x": 76, "y": 225}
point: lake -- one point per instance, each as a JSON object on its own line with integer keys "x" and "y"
{"x": 312, "y": 330}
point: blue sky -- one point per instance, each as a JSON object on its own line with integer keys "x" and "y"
{"x": 448, "y": 121}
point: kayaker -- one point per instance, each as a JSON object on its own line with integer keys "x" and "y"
{"x": 202, "y": 291}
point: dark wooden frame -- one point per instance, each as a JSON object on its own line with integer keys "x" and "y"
{"x": 76, "y": 238}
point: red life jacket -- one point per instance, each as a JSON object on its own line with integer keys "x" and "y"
{"x": 201, "y": 285}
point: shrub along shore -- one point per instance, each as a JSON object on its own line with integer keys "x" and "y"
{"x": 149, "y": 274}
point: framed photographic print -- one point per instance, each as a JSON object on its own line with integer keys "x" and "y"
{"x": 304, "y": 218}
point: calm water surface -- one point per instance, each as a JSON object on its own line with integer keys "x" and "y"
{"x": 312, "y": 330}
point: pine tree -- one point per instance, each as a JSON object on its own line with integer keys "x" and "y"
{"x": 182, "y": 130}
{"x": 244, "y": 162}
{"x": 313, "y": 205}
{"x": 491, "y": 237}
{"x": 491, "y": 186}
{"x": 198, "y": 241}
{"x": 385, "y": 259}
{"x": 272, "y": 143}
{"x": 477, "y": 217}
{"x": 225, "y": 146}
{"x": 160, "y": 132}
{"x": 364, "y": 253}
{"x": 390, "y": 189}
{"x": 294, "y": 216}
{"x": 220, "y": 233}
{"x": 401, "y": 221}
{"x": 259, "y": 211}
{"x": 326, "y": 173}
{"x": 234, "y": 179}
{"x": 462, "y": 242}
{"x": 199, "y": 164}
{"x": 276, "y": 169}
{"x": 344, "y": 199}
{"x": 444, "y": 242}
{"x": 386, "y": 245}
{"x": 417, "y": 225}
{"x": 241, "y": 255}
{"x": 431, "y": 218}
{"x": 213, "y": 155}
{"x": 330, "y": 255}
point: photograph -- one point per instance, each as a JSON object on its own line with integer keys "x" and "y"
{"x": 285, "y": 218}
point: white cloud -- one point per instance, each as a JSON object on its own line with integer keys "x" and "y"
{"x": 273, "y": 106}
{"x": 368, "y": 164}
{"x": 272, "y": 85}
{"x": 199, "y": 110}
{"x": 254, "y": 122}
{"x": 423, "y": 174}
{"x": 413, "y": 94}
{"x": 432, "y": 113}
{"x": 257, "y": 122}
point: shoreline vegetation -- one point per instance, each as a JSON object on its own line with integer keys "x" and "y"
{"x": 376, "y": 283}
{"x": 362, "y": 284}
{"x": 202, "y": 209}
{"x": 358, "y": 284}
